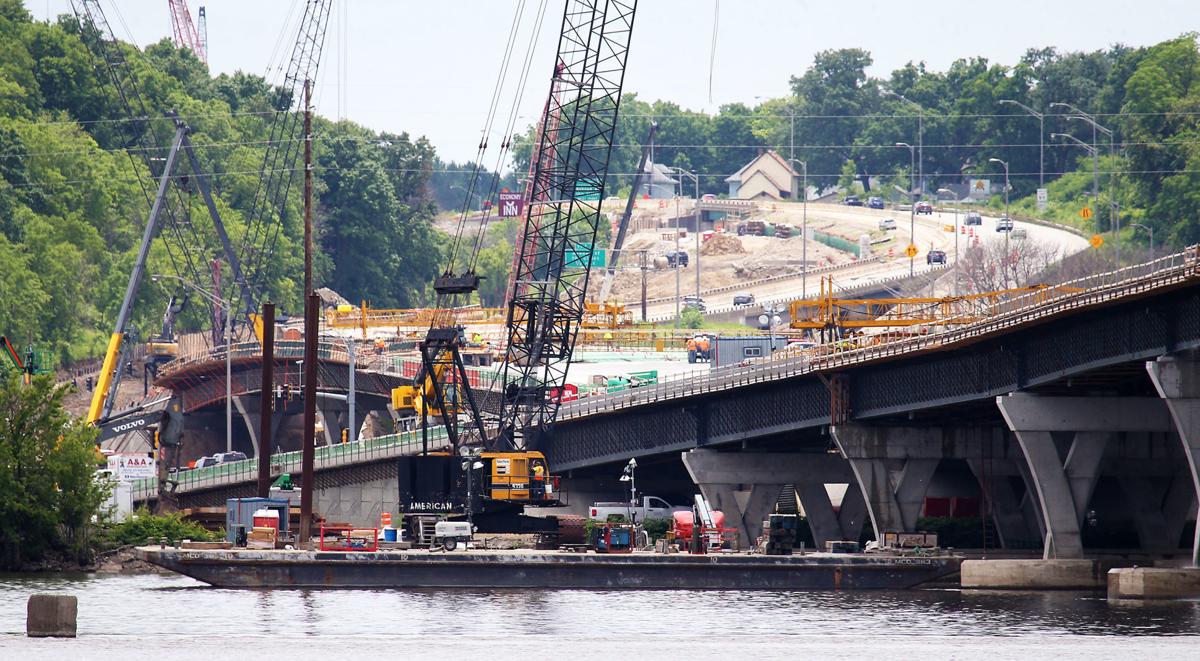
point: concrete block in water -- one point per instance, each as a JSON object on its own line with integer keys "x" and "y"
{"x": 1154, "y": 583}
{"x": 51, "y": 616}
{"x": 1031, "y": 574}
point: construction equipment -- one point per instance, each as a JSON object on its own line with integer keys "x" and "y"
{"x": 546, "y": 306}
{"x": 34, "y": 363}
{"x": 829, "y": 313}
{"x": 114, "y": 357}
{"x": 164, "y": 347}
{"x": 186, "y": 34}
{"x": 615, "y": 538}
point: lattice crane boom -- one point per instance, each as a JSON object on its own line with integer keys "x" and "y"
{"x": 186, "y": 34}
{"x": 547, "y": 307}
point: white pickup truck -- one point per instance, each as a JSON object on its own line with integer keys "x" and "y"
{"x": 651, "y": 507}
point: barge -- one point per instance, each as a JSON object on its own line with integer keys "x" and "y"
{"x": 238, "y": 568}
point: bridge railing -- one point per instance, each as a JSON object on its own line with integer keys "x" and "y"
{"x": 328, "y": 456}
{"x": 1012, "y": 312}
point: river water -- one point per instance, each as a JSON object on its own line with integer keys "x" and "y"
{"x": 176, "y": 618}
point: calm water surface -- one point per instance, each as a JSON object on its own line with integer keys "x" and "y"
{"x": 130, "y": 617}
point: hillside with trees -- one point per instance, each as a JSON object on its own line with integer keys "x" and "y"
{"x": 72, "y": 204}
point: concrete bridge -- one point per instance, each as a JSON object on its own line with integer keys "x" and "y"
{"x": 1073, "y": 417}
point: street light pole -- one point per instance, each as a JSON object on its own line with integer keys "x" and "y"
{"x": 804, "y": 234}
{"x": 1041, "y": 117}
{"x": 1006, "y": 216}
{"x": 912, "y": 207}
{"x": 947, "y": 191}
{"x": 920, "y": 134}
{"x": 1151, "y": 231}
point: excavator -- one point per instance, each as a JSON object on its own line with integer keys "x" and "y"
{"x": 494, "y": 467}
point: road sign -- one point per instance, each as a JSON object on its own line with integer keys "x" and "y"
{"x": 1043, "y": 198}
{"x": 911, "y": 250}
{"x": 511, "y": 205}
{"x": 1085, "y": 213}
{"x": 1097, "y": 240}
{"x": 948, "y": 228}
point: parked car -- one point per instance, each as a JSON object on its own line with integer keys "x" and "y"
{"x": 743, "y": 298}
{"x": 973, "y": 218}
{"x": 677, "y": 258}
{"x": 887, "y": 224}
{"x": 852, "y": 201}
{"x": 875, "y": 202}
{"x": 693, "y": 301}
{"x": 1005, "y": 224}
{"x": 650, "y": 507}
{"x": 935, "y": 257}
{"x": 925, "y": 208}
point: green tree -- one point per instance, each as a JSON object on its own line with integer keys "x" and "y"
{"x": 48, "y": 493}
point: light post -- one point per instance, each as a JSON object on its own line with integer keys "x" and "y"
{"x": 1006, "y": 216}
{"x": 920, "y": 133}
{"x": 696, "y": 180}
{"x": 1148, "y": 229}
{"x": 803, "y": 233}
{"x": 947, "y": 191}
{"x": 228, "y": 353}
{"x": 1114, "y": 217}
{"x": 470, "y": 466}
{"x": 1041, "y": 117}
{"x": 912, "y": 206}
{"x": 1091, "y": 150}
{"x": 630, "y": 475}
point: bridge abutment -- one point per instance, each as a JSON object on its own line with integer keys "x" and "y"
{"x": 746, "y": 487}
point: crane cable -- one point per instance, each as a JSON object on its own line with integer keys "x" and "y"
{"x": 506, "y": 60}
{"x": 506, "y": 147}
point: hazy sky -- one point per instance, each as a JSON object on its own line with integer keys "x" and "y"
{"x": 428, "y": 67}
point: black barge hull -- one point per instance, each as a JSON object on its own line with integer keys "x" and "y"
{"x": 499, "y": 569}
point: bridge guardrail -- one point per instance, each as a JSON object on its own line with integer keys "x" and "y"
{"x": 772, "y": 278}
{"x": 327, "y": 456}
{"x": 1019, "y": 310}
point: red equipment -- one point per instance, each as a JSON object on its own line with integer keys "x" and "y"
{"x": 349, "y": 538}
{"x": 683, "y": 528}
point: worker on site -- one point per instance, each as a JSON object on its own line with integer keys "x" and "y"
{"x": 691, "y": 349}
{"x": 608, "y": 339}
{"x": 538, "y": 486}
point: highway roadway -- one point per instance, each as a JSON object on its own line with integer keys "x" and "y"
{"x": 850, "y": 223}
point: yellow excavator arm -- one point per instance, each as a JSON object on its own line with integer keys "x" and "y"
{"x": 104, "y": 380}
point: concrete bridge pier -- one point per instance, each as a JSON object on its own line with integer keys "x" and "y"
{"x": 895, "y": 466}
{"x": 1177, "y": 380}
{"x": 746, "y": 487}
{"x": 1064, "y": 440}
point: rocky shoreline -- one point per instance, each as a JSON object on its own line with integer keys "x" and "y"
{"x": 120, "y": 561}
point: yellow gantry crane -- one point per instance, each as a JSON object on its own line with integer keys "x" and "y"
{"x": 828, "y": 312}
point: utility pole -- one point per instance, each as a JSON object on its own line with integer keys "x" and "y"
{"x": 803, "y": 233}
{"x": 912, "y": 207}
{"x": 645, "y": 268}
{"x": 311, "y": 321}
{"x": 266, "y": 400}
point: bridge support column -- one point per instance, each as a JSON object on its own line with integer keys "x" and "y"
{"x": 893, "y": 467}
{"x": 1177, "y": 380}
{"x": 746, "y": 485}
{"x": 1063, "y": 440}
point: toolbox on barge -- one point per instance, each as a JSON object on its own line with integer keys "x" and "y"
{"x": 547, "y": 569}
